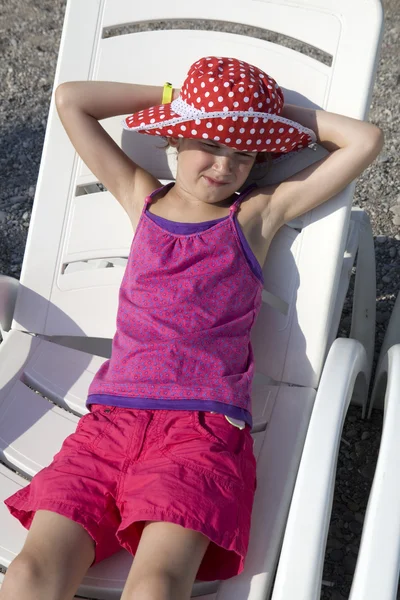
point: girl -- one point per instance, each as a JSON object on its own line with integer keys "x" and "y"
{"x": 164, "y": 457}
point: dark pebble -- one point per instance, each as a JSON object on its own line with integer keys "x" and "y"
{"x": 349, "y": 563}
{"x": 336, "y": 555}
{"x": 355, "y": 527}
{"x": 368, "y": 471}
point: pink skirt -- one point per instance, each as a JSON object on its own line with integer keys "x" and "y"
{"x": 124, "y": 466}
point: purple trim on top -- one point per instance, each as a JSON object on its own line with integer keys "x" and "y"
{"x": 159, "y": 403}
{"x": 190, "y": 228}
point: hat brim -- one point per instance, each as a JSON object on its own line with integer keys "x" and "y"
{"x": 269, "y": 133}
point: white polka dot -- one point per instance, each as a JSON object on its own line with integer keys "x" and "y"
{"x": 255, "y": 94}
{"x": 234, "y": 118}
{"x": 152, "y": 120}
{"x": 207, "y": 94}
{"x": 227, "y": 140}
{"x": 239, "y": 141}
{"x": 220, "y": 98}
{"x": 249, "y": 142}
{"x": 242, "y": 130}
{"x": 226, "y": 84}
{"x": 208, "y": 125}
{"x": 268, "y": 101}
{"x": 281, "y": 130}
{"x": 260, "y": 105}
{"x": 231, "y": 94}
{"x": 194, "y": 132}
{"x": 215, "y": 88}
{"x": 195, "y": 90}
{"x": 220, "y": 127}
{"x": 278, "y": 141}
{"x": 205, "y": 135}
{"x": 216, "y": 138}
{"x": 273, "y": 149}
{"x": 287, "y": 140}
{"x": 246, "y": 99}
{"x": 198, "y": 99}
{"x": 245, "y": 119}
{"x": 211, "y": 79}
{"x": 210, "y": 65}
{"x": 225, "y": 109}
{"x": 291, "y": 130}
{"x": 211, "y": 104}
{"x": 192, "y": 80}
{"x": 180, "y": 135}
{"x": 236, "y": 104}
{"x": 169, "y": 131}
{"x": 183, "y": 127}
{"x": 258, "y": 142}
{"x": 268, "y": 142}
{"x": 262, "y": 130}
{"x": 252, "y": 131}
{"x": 231, "y": 129}
{"x": 197, "y": 121}
{"x": 271, "y": 130}
{"x": 203, "y": 85}
{"x": 255, "y": 120}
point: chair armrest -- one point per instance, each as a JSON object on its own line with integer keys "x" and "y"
{"x": 8, "y": 297}
{"x": 378, "y": 564}
{"x": 299, "y": 573}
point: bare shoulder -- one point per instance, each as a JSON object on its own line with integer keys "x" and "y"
{"x": 143, "y": 184}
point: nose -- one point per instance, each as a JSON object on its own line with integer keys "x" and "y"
{"x": 223, "y": 164}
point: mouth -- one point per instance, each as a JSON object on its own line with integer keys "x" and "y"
{"x": 214, "y": 182}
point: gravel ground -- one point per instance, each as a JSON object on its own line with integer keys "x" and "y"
{"x": 29, "y": 40}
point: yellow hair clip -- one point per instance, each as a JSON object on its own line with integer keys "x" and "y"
{"x": 167, "y": 93}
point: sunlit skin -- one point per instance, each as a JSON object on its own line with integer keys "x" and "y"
{"x": 202, "y": 160}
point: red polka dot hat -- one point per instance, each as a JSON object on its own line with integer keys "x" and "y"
{"x": 231, "y": 102}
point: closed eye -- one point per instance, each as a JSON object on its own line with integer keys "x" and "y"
{"x": 209, "y": 145}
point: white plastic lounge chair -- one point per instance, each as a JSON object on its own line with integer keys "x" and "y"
{"x": 58, "y": 333}
{"x": 378, "y": 563}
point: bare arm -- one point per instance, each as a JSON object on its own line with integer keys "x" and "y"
{"x": 81, "y": 105}
{"x": 353, "y": 145}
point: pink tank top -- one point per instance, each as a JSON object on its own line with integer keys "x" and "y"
{"x": 188, "y": 299}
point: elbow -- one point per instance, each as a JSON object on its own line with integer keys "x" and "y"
{"x": 64, "y": 94}
{"x": 376, "y": 140}
{"x": 60, "y": 95}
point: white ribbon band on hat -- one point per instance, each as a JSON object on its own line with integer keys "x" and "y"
{"x": 188, "y": 113}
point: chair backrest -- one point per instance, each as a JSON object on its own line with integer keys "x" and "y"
{"x": 79, "y": 237}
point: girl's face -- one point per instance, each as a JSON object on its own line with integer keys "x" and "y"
{"x": 211, "y": 171}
